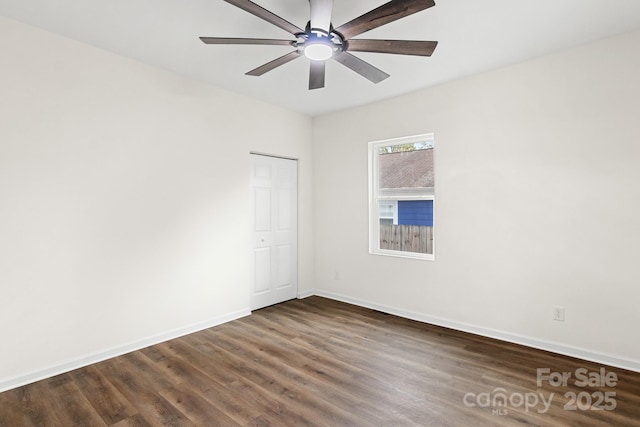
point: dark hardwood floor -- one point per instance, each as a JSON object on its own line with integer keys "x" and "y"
{"x": 318, "y": 362}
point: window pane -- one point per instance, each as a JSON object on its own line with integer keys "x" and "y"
{"x": 405, "y": 166}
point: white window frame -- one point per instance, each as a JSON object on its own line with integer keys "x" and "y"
{"x": 407, "y": 194}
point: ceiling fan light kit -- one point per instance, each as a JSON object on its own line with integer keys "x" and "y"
{"x": 318, "y": 51}
{"x": 318, "y": 45}
{"x": 319, "y": 41}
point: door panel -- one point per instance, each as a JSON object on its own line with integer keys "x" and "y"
{"x": 274, "y": 210}
{"x": 262, "y": 209}
{"x": 262, "y": 257}
{"x": 284, "y": 208}
{"x": 284, "y": 266}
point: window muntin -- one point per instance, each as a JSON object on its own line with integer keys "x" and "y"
{"x": 402, "y": 197}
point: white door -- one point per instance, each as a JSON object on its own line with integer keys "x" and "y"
{"x": 274, "y": 219}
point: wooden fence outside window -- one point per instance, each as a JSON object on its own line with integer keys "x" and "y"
{"x": 407, "y": 238}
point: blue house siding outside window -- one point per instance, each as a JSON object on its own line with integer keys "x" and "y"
{"x": 415, "y": 212}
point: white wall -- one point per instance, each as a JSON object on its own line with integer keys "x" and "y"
{"x": 124, "y": 197}
{"x": 537, "y": 201}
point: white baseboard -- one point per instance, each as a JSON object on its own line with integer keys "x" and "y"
{"x": 118, "y": 351}
{"x": 305, "y": 294}
{"x": 606, "y": 359}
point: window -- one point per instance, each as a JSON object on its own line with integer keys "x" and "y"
{"x": 401, "y": 197}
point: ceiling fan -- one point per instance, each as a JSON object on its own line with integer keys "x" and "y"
{"x": 319, "y": 41}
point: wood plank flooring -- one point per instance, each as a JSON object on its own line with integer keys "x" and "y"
{"x": 318, "y": 362}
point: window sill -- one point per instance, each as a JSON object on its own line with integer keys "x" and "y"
{"x": 399, "y": 254}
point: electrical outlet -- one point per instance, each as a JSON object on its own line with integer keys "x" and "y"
{"x": 558, "y": 313}
{"x": 336, "y": 276}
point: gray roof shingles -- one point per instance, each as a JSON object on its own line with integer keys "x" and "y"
{"x": 407, "y": 169}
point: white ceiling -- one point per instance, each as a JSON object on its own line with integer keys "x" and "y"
{"x": 473, "y": 35}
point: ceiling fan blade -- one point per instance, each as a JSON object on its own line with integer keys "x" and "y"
{"x": 382, "y": 15}
{"x": 230, "y": 40}
{"x": 361, "y": 67}
{"x": 273, "y": 64}
{"x": 398, "y": 47}
{"x": 263, "y": 13}
{"x": 316, "y": 74}
{"x": 321, "y": 14}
